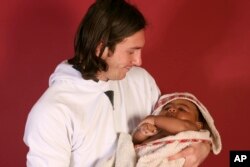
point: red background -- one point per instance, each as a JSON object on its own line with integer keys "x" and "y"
{"x": 198, "y": 46}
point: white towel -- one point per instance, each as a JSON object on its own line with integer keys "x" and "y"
{"x": 164, "y": 99}
{"x": 156, "y": 153}
{"x": 124, "y": 156}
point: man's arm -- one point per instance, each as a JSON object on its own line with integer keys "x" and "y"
{"x": 47, "y": 139}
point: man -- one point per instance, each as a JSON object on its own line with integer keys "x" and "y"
{"x": 97, "y": 93}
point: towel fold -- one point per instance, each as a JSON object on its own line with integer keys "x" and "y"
{"x": 156, "y": 153}
{"x": 124, "y": 156}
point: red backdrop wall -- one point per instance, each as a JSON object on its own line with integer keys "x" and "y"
{"x": 198, "y": 46}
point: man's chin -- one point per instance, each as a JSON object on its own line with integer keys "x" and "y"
{"x": 120, "y": 77}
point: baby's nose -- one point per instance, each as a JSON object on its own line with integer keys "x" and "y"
{"x": 172, "y": 111}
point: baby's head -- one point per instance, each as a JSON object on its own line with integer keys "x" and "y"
{"x": 184, "y": 109}
{"x": 200, "y": 113}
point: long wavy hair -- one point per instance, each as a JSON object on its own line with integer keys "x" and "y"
{"x": 107, "y": 22}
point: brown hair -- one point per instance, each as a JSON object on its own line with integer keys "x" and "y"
{"x": 106, "y": 21}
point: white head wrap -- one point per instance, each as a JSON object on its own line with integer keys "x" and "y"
{"x": 164, "y": 99}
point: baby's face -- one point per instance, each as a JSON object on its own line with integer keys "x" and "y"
{"x": 181, "y": 109}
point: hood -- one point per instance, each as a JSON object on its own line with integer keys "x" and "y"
{"x": 65, "y": 72}
{"x": 164, "y": 99}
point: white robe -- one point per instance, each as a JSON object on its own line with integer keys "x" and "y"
{"x": 74, "y": 123}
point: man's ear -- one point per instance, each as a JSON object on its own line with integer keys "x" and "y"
{"x": 99, "y": 48}
{"x": 199, "y": 125}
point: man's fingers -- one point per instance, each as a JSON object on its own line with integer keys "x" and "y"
{"x": 194, "y": 155}
{"x": 182, "y": 154}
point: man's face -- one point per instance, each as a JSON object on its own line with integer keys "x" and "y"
{"x": 127, "y": 54}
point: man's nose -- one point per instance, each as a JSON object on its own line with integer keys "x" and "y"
{"x": 137, "y": 61}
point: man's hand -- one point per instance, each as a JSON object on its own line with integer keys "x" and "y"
{"x": 194, "y": 154}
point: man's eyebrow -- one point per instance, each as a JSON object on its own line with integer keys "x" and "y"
{"x": 136, "y": 47}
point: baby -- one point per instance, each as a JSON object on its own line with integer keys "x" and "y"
{"x": 179, "y": 119}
